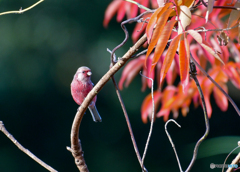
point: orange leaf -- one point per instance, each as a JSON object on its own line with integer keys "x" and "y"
{"x": 184, "y": 55}
{"x": 169, "y": 57}
{"x": 187, "y": 3}
{"x": 158, "y": 30}
{"x": 162, "y": 41}
{"x": 220, "y": 98}
{"x": 153, "y": 20}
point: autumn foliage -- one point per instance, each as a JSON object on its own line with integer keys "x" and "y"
{"x": 175, "y": 31}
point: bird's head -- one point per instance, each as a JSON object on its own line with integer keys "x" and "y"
{"x": 83, "y": 74}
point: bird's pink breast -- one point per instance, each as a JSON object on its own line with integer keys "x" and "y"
{"x": 80, "y": 91}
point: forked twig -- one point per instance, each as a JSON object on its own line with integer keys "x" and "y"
{"x": 173, "y": 146}
{"x": 152, "y": 121}
{"x": 127, "y": 118}
{"x": 26, "y": 151}
{"x": 20, "y": 11}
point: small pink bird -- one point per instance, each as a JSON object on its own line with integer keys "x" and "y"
{"x": 80, "y": 87}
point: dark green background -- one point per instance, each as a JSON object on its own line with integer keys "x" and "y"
{"x": 40, "y": 52}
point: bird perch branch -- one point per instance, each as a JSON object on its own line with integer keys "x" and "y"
{"x": 75, "y": 144}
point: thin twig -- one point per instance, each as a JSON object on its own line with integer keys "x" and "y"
{"x": 224, "y": 7}
{"x": 139, "y": 5}
{"x": 217, "y": 85}
{"x": 75, "y": 146}
{"x": 135, "y": 19}
{"x": 207, "y": 30}
{"x": 173, "y": 146}
{"x": 128, "y": 124}
{"x": 26, "y": 151}
{"x": 152, "y": 121}
{"x": 20, "y": 11}
{"x": 193, "y": 73}
{"x": 126, "y": 117}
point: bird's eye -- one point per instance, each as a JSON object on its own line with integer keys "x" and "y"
{"x": 83, "y": 72}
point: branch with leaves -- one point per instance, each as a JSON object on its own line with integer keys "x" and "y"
{"x": 183, "y": 17}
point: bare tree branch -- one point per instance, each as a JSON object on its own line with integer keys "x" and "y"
{"x": 26, "y": 151}
{"x": 75, "y": 146}
{"x": 20, "y": 11}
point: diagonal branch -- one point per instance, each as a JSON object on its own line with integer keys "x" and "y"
{"x": 193, "y": 73}
{"x": 224, "y": 7}
{"x": 75, "y": 146}
{"x": 128, "y": 124}
{"x": 234, "y": 162}
{"x": 216, "y": 84}
{"x": 26, "y": 151}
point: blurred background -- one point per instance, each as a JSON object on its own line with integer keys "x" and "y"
{"x": 40, "y": 51}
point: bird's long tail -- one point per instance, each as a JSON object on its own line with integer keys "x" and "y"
{"x": 95, "y": 115}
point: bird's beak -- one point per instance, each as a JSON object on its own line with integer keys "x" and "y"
{"x": 89, "y": 73}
